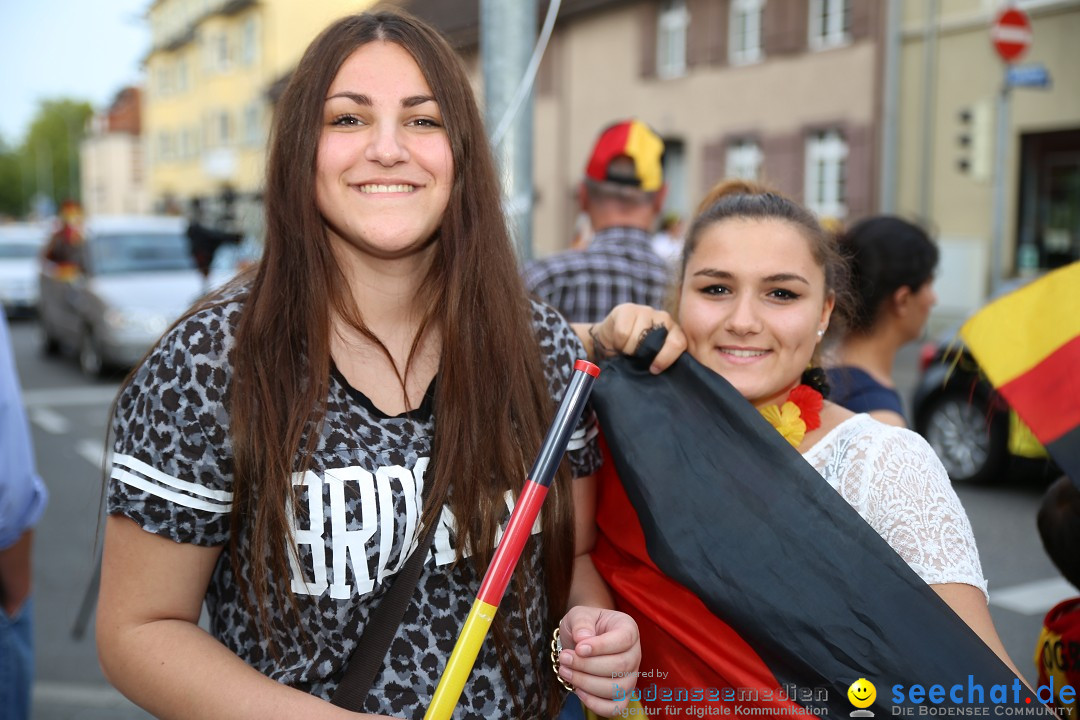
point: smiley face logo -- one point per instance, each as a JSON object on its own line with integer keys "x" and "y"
{"x": 862, "y": 693}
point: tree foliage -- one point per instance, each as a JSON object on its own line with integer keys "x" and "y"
{"x": 47, "y": 162}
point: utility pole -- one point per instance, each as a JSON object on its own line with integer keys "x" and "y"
{"x": 890, "y": 103}
{"x": 507, "y": 36}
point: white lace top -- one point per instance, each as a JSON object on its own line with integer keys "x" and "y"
{"x": 894, "y": 480}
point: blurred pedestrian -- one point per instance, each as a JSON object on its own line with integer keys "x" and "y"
{"x": 22, "y": 501}
{"x": 622, "y": 193}
{"x": 378, "y": 383}
{"x": 891, "y": 264}
{"x": 61, "y": 250}
{"x": 668, "y": 241}
{"x": 1057, "y": 653}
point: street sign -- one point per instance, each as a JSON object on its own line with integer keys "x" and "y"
{"x": 1035, "y": 75}
{"x": 1011, "y": 34}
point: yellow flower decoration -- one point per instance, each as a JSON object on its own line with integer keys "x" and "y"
{"x": 787, "y": 419}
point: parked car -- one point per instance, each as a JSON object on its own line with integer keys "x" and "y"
{"x": 131, "y": 278}
{"x": 20, "y": 247}
{"x": 966, "y": 421}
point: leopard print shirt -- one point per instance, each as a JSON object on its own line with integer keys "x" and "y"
{"x": 356, "y": 520}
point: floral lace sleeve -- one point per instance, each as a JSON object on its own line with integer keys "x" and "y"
{"x": 894, "y": 480}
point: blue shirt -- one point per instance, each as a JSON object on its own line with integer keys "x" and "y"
{"x": 854, "y": 389}
{"x": 22, "y": 493}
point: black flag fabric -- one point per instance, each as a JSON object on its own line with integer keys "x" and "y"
{"x": 753, "y": 560}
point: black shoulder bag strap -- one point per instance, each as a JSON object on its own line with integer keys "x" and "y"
{"x": 367, "y": 659}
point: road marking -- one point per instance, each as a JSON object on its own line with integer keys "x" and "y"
{"x": 1033, "y": 598}
{"x": 84, "y": 695}
{"x": 49, "y": 421}
{"x": 92, "y": 451}
{"x": 93, "y": 395}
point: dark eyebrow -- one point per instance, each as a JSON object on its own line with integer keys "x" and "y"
{"x": 355, "y": 97}
{"x": 778, "y": 278}
{"x": 415, "y": 100}
{"x": 361, "y": 99}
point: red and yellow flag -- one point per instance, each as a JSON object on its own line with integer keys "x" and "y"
{"x": 1028, "y": 344}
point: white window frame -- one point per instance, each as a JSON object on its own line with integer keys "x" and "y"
{"x": 253, "y": 131}
{"x": 826, "y": 174}
{"x": 743, "y": 160}
{"x": 744, "y": 32}
{"x": 671, "y": 28}
{"x": 829, "y": 24}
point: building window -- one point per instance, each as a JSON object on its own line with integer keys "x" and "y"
{"x": 671, "y": 39}
{"x": 830, "y": 23}
{"x": 182, "y": 76}
{"x": 826, "y": 174}
{"x": 253, "y": 132}
{"x": 745, "y": 24}
{"x": 250, "y": 43}
{"x": 743, "y": 160}
{"x": 224, "y": 129}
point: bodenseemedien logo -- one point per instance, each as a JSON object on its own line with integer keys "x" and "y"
{"x": 862, "y": 694}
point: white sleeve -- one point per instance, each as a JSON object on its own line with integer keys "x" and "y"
{"x": 911, "y": 503}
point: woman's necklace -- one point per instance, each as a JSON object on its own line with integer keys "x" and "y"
{"x": 799, "y": 414}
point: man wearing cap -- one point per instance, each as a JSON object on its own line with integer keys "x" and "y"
{"x": 622, "y": 193}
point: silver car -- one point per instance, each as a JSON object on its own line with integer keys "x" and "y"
{"x": 20, "y": 246}
{"x": 132, "y": 277}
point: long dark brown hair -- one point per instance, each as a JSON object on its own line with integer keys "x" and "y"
{"x": 492, "y": 404}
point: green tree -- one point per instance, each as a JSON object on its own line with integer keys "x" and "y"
{"x": 51, "y": 148}
{"x": 12, "y": 191}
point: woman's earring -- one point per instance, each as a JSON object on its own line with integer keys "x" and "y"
{"x": 820, "y": 333}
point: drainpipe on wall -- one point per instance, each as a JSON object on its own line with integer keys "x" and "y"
{"x": 926, "y": 170}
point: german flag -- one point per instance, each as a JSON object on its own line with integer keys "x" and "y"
{"x": 754, "y": 582}
{"x": 1028, "y": 344}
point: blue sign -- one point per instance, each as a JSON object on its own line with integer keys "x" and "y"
{"x": 1034, "y": 75}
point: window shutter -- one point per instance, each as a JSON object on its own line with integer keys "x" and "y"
{"x": 865, "y": 18}
{"x": 782, "y": 163}
{"x": 649, "y": 13}
{"x": 706, "y": 38}
{"x": 784, "y": 25}
{"x": 712, "y": 165}
{"x": 861, "y": 181}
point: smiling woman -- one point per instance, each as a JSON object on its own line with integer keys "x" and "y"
{"x": 760, "y": 283}
{"x": 371, "y": 390}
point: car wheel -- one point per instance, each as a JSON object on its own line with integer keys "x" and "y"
{"x": 90, "y": 359}
{"x": 970, "y": 440}
{"x": 50, "y": 345}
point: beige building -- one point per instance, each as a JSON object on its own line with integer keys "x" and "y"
{"x": 951, "y": 80}
{"x": 785, "y": 91}
{"x": 113, "y": 174}
{"x": 207, "y": 108}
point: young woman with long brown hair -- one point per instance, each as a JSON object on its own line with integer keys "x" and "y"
{"x": 381, "y": 371}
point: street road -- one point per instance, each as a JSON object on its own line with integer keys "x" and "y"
{"x": 69, "y": 416}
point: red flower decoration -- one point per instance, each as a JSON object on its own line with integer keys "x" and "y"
{"x": 809, "y": 402}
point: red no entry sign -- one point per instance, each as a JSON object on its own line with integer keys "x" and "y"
{"x": 1011, "y": 34}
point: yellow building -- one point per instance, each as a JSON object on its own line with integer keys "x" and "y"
{"x": 207, "y": 107}
{"x": 951, "y": 80}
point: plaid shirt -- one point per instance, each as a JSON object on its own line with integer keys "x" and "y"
{"x": 618, "y": 266}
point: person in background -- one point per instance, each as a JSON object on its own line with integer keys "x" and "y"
{"x": 1057, "y": 653}
{"x": 61, "y": 249}
{"x": 23, "y": 497}
{"x": 668, "y": 241}
{"x": 622, "y": 194}
{"x": 891, "y": 265}
{"x": 380, "y": 378}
